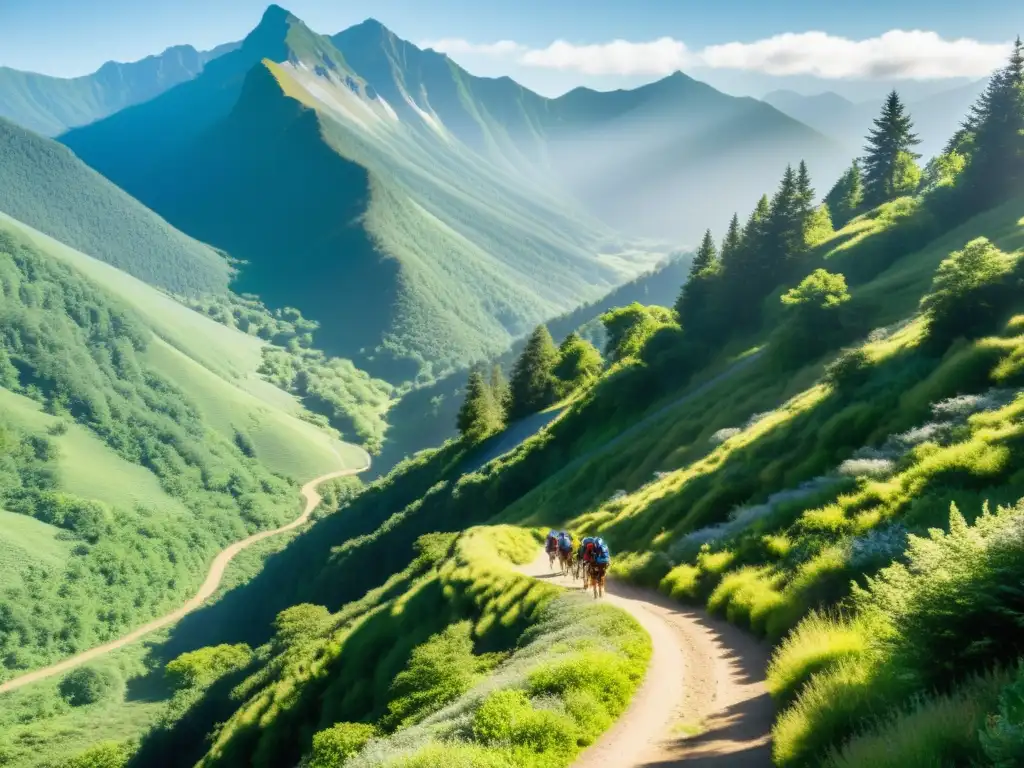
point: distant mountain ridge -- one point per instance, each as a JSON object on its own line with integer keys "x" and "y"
{"x": 51, "y": 105}
{"x": 415, "y": 255}
{"x": 936, "y": 116}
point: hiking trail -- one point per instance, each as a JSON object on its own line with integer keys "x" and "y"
{"x": 703, "y": 702}
{"x": 208, "y": 588}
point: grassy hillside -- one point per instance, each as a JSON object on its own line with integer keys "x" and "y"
{"x": 133, "y": 461}
{"x": 47, "y": 187}
{"x": 766, "y": 496}
{"x": 52, "y": 105}
{"x": 413, "y": 256}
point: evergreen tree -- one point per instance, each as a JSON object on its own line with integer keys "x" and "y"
{"x": 784, "y": 239}
{"x": 533, "y": 382}
{"x": 732, "y": 241}
{"x": 500, "y": 389}
{"x": 888, "y": 149}
{"x": 846, "y": 196}
{"x": 804, "y": 193}
{"x": 993, "y": 136}
{"x": 693, "y": 302}
{"x": 480, "y": 414}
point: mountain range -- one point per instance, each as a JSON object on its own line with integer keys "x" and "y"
{"x": 51, "y": 105}
{"x": 936, "y": 116}
{"x": 423, "y": 216}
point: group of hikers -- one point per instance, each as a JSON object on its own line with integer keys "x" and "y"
{"x": 588, "y": 560}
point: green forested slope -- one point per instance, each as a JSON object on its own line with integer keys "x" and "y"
{"x": 129, "y": 450}
{"x": 47, "y": 187}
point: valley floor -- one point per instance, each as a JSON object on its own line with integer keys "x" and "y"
{"x": 703, "y": 701}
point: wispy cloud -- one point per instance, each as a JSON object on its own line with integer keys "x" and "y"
{"x": 897, "y": 54}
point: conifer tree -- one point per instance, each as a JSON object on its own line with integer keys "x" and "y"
{"x": 993, "y": 136}
{"x": 846, "y": 196}
{"x": 692, "y": 304}
{"x": 804, "y": 192}
{"x": 500, "y": 389}
{"x": 732, "y": 241}
{"x": 888, "y": 149}
{"x": 533, "y": 381}
{"x": 479, "y": 415}
{"x": 785, "y": 230}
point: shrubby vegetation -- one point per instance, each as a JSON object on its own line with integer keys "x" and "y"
{"x": 69, "y": 346}
{"x": 349, "y": 400}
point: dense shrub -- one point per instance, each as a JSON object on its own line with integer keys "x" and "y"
{"x": 86, "y": 685}
{"x": 970, "y": 292}
{"x": 332, "y": 747}
{"x": 1002, "y": 738}
{"x": 106, "y": 755}
{"x": 204, "y": 666}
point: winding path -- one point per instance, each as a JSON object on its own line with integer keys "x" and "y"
{"x": 209, "y": 586}
{"x": 703, "y": 702}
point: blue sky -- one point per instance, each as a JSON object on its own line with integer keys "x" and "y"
{"x": 72, "y": 37}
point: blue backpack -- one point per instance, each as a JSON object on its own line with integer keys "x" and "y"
{"x": 602, "y": 554}
{"x": 564, "y": 542}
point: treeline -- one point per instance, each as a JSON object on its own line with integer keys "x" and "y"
{"x": 75, "y": 350}
{"x": 982, "y": 165}
{"x": 542, "y": 375}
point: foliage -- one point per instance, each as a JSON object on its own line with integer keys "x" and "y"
{"x": 889, "y": 165}
{"x": 481, "y": 414}
{"x": 579, "y": 364}
{"x": 82, "y": 354}
{"x": 846, "y": 196}
{"x": 532, "y": 386}
{"x": 969, "y": 292}
{"x": 333, "y": 746}
{"x": 629, "y": 328}
{"x": 85, "y": 685}
{"x": 1002, "y": 736}
{"x": 202, "y": 667}
{"x": 106, "y": 755}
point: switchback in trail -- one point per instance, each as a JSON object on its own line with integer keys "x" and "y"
{"x": 209, "y": 586}
{"x": 703, "y": 703}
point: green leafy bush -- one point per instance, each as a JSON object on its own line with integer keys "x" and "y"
{"x": 332, "y": 747}
{"x": 106, "y": 755}
{"x": 202, "y": 667}
{"x": 1002, "y": 737}
{"x": 86, "y": 685}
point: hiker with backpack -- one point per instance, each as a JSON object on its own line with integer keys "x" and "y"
{"x": 551, "y": 547}
{"x": 601, "y": 559}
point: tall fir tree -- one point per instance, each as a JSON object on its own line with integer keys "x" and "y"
{"x": 731, "y": 242}
{"x": 993, "y": 136}
{"x": 693, "y": 303}
{"x": 533, "y": 380}
{"x": 804, "y": 192}
{"x": 479, "y": 415}
{"x": 846, "y": 196}
{"x": 889, "y": 146}
{"x": 785, "y": 230}
{"x": 500, "y": 389}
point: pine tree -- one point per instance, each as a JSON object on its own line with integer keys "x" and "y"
{"x": 785, "y": 231}
{"x": 500, "y": 389}
{"x": 804, "y": 192}
{"x": 732, "y": 241}
{"x": 479, "y": 415}
{"x": 846, "y": 196}
{"x": 533, "y": 381}
{"x": 692, "y": 304}
{"x": 889, "y": 145}
{"x": 995, "y": 127}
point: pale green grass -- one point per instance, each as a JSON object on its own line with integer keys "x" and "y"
{"x": 24, "y": 540}
{"x": 86, "y": 466}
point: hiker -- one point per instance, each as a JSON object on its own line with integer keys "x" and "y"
{"x": 601, "y": 558}
{"x": 551, "y": 547}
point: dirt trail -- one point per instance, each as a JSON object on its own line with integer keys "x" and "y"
{"x": 209, "y": 586}
{"x": 703, "y": 703}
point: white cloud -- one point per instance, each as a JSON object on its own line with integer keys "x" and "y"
{"x": 457, "y": 45}
{"x": 619, "y": 57}
{"x": 897, "y": 54}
